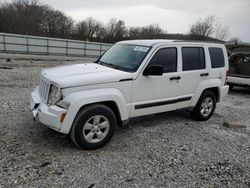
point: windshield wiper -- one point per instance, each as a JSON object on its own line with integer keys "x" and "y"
{"x": 110, "y": 65}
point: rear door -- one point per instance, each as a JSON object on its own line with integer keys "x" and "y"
{"x": 219, "y": 65}
{"x": 194, "y": 70}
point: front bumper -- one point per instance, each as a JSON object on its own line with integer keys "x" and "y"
{"x": 47, "y": 115}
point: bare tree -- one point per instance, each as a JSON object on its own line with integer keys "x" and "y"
{"x": 209, "y": 27}
{"x": 21, "y": 16}
{"x": 101, "y": 34}
{"x": 57, "y": 24}
{"x": 116, "y": 30}
{"x": 152, "y": 31}
{"x": 203, "y": 27}
{"x": 89, "y": 29}
{"x": 146, "y": 32}
{"x": 234, "y": 39}
{"x": 134, "y": 32}
{"x": 81, "y": 28}
{"x": 93, "y": 27}
{"x": 221, "y": 31}
{"x": 31, "y": 17}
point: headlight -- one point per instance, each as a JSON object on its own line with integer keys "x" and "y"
{"x": 54, "y": 94}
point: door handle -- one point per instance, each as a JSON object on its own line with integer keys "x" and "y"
{"x": 204, "y": 74}
{"x": 175, "y": 78}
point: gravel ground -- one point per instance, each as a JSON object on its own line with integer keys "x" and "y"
{"x": 164, "y": 150}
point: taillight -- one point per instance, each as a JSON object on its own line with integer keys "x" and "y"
{"x": 226, "y": 78}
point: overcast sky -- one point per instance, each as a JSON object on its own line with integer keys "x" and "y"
{"x": 175, "y": 16}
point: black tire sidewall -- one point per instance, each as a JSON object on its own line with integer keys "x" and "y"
{"x": 197, "y": 113}
{"x": 83, "y": 116}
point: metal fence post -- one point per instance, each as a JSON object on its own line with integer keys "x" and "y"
{"x": 67, "y": 47}
{"x": 47, "y": 46}
{"x": 4, "y": 44}
{"x": 100, "y": 49}
{"x": 27, "y": 43}
{"x": 85, "y": 46}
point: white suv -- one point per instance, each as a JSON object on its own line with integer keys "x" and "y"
{"x": 133, "y": 78}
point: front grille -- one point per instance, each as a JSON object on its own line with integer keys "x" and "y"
{"x": 44, "y": 89}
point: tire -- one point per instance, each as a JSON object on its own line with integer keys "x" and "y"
{"x": 93, "y": 127}
{"x": 205, "y": 106}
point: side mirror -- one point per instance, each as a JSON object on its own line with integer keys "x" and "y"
{"x": 153, "y": 70}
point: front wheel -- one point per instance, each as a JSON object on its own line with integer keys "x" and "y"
{"x": 93, "y": 127}
{"x": 205, "y": 106}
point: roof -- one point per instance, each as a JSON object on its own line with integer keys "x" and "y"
{"x": 162, "y": 41}
{"x": 146, "y": 42}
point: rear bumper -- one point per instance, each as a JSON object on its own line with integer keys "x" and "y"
{"x": 47, "y": 115}
{"x": 238, "y": 81}
{"x": 224, "y": 91}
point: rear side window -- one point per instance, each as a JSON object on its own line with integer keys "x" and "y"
{"x": 167, "y": 57}
{"x": 193, "y": 58}
{"x": 217, "y": 57}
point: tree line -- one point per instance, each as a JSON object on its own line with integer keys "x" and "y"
{"x": 30, "y": 17}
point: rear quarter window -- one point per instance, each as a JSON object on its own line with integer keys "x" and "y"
{"x": 217, "y": 57}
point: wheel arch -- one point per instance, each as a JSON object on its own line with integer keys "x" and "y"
{"x": 110, "y": 104}
{"x": 216, "y": 91}
{"x": 112, "y": 98}
{"x": 207, "y": 85}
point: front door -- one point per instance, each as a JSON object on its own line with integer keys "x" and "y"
{"x": 154, "y": 94}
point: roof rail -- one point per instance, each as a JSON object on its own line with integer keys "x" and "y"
{"x": 200, "y": 41}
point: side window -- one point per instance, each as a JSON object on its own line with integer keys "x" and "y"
{"x": 217, "y": 57}
{"x": 193, "y": 58}
{"x": 167, "y": 57}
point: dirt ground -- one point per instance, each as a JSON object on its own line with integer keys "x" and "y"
{"x": 164, "y": 150}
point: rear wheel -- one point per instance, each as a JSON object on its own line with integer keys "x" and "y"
{"x": 93, "y": 127}
{"x": 205, "y": 106}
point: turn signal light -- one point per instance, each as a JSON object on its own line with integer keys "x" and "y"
{"x": 62, "y": 117}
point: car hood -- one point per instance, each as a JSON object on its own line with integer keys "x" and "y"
{"x": 83, "y": 74}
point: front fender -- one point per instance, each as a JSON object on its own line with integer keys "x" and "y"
{"x": 82, "y": 98}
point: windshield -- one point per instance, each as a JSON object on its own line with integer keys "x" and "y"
{"x": 124, "y": 57}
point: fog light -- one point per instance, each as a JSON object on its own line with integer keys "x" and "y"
{"x": 62, "y": 117}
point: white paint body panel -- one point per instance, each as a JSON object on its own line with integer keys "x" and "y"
{"x": 48, "y": 115}
{"x": 84, "y": 74}
{"x": 238, "y": 80}
{"x": 89, "y": 83}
